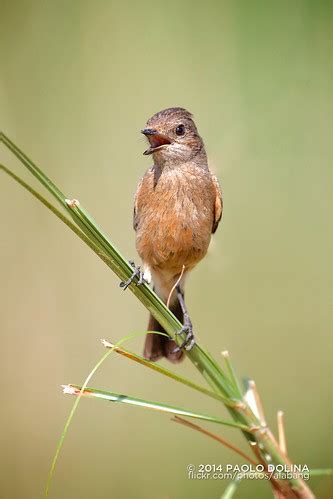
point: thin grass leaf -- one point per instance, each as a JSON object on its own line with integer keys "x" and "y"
{"x": 72, "y": 389}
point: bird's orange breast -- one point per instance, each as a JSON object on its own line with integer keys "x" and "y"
{"x": 174, "y": 217}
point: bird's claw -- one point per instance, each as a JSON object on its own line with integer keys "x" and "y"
{"x": 137, "y": 273}
{"x": 189, "y": 340}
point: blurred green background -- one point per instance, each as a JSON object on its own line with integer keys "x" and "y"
{"x": 78, "y": 81}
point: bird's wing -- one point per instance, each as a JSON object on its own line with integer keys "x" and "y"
{"x": 218, "y": 205}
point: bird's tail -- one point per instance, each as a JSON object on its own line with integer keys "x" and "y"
{"x": 156, "y": 345}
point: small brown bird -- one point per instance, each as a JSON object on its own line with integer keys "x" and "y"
{"x": 178, "y": 205}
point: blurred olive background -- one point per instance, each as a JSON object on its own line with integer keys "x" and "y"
{"x": 78, "y": 81}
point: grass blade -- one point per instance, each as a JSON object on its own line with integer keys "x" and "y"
{"x": 148, "y": 404}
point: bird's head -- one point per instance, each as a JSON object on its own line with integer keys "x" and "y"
{"x": 173, "y": 137}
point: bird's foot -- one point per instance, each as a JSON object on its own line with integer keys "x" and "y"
{"x": 189, "y": 340}
{"x": 137, "y": 274}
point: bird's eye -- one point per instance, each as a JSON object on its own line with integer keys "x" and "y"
{"x": 180, "y": 130}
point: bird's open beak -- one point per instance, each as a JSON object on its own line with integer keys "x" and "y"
{"x": 156, "y": 139}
